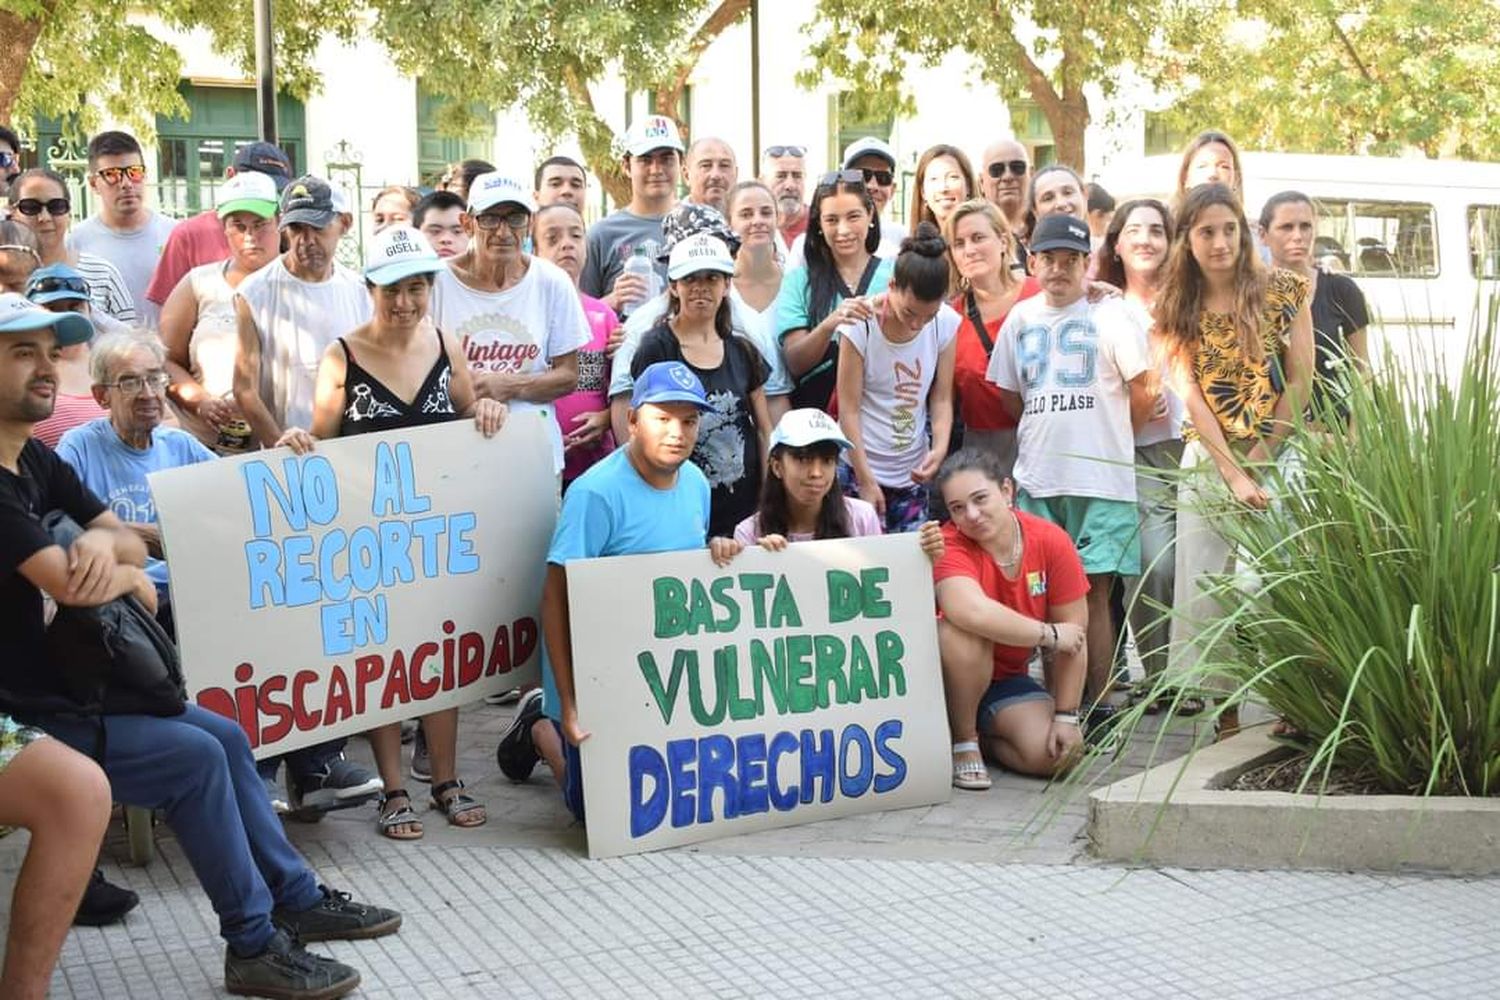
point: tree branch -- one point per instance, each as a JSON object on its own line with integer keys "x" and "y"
{"x": 19, "y": 36}
{"x": 1338, "y": 32}
{"x": 726, "y": 14}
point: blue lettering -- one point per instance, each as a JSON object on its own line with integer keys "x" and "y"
{"x": 817, "y": 763}
{"x": 411, "y": 501}
{"x": 337, "y": 629}
{"x": 461, "y": 557}
{"x": 386, "y": 491}
{"x": 395, "y": 553}
{"x": 754, "y": 795}
{"x": 716, "y": 770}
{"x": 646, "y": 814}
{"x": 335, "y": 584}
{"x": 372, "y": 620}
{"x": 364, "y": 559}
{"x": 889, "y": 730}
{"x": 301, "y": 573}
{"x": 854, "y": 785}
{"x": 263, "y": 560}
{"x": 784, "y": 800}
{"x": 261, "y": 484}
{"x": 428, "y": 529}
{"x": 320, "y": 489}
{"x": 680, "y": 754}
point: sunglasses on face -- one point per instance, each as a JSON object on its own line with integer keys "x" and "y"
{"x": 884, "y": 178}
{"x": 113, "y": 175}
{"x": 8, "y": 159}
{"x": 46, "y": 286}
{"x": 34, "y": 206}
{"x": 786, "y": 150}
{"x": 997, "y": 169}
{"x": 515, "y": 220}
{"x": 842, "y": 176}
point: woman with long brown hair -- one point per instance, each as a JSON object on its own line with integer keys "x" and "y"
{"x": 947, "y": 180}
{"x": 1239, "y": 339}
{"x": 1210, "y": 158}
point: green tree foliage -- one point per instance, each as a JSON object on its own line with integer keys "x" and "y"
{"x": 57, "y": 53}
{"x": 1341, "y": 76}
{"x": 543, "y": 54}
{"x": 1047, "y": 50}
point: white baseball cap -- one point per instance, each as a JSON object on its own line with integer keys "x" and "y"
{"x": 699, "y": 253}
{"x": 398, "y": 252}
{"x": 250, "y": 191}
{"x": 800, "y": 428}
{"x": 652, "y": 132}
{"x": 869, "y": 146}
{"x": 495, "y": 188}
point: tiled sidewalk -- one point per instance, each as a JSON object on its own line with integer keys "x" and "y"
{"x": 944, "y": 901}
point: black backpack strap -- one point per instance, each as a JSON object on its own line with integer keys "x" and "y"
{"x": 972, "y": 308}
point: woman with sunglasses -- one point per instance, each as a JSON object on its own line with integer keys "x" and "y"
{"x": 198, "y": 324}
{"x": 839, "y": 272}
{"x": 39, "y": 200}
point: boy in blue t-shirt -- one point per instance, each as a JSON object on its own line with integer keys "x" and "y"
{"x": 645, "y": 497}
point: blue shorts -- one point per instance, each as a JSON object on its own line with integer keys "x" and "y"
{"x": 905, "y": 506}
{"x": 572, "y": 787}
{"x": 1107, "y": 533}
{"x": 1007, "y": 691}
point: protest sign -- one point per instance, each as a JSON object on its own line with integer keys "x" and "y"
{"x": 785, "y": 688}
{"x": 380, "y": 577}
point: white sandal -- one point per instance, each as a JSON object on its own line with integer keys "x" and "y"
{"x": 969, "y": 774}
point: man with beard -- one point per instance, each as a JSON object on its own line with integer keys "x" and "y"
{"x": 783, "y": 169}
{"x": 653, "y": 162}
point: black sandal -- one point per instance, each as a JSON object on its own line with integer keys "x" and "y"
{"x": 386, "y": 822}
{"x": 460, "y": 803}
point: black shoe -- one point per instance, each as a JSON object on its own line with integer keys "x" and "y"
{"x": 287, "y": 971}
{"x": 104, "y": 903}
{"x": 337, "y": 917}
{"x": 516, "y": 753}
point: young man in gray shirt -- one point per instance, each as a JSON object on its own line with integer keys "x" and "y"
{"x": 653, "y": 159}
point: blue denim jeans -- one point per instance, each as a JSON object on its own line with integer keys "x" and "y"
{"x": 197, "y": 769}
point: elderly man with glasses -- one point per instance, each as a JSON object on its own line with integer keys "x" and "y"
{"x": 1004, "y": 181}
{"x": 783, "y": 169}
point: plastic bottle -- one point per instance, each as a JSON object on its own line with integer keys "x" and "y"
{"x": 639, "y": 263}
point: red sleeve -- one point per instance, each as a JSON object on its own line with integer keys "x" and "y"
{"x": 170, "y": 268}
{"x": 1066, "y": 580}
{"x": 958, "y": 557}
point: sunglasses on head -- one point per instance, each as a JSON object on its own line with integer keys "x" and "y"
{"x": 884, "y": 178}
{"x": 786, "y": 150}
{"x": 113, "y": 175}
{"x": 842, "y": 177}
{"x": 34, "y": 206}
{"x": 48, "y": 285}
{"x": 997, "y": 169}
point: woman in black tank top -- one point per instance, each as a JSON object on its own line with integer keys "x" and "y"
{"x": 399, "y": 371}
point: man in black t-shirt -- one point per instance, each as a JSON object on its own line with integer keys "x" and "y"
{"x": 196, "y": 767}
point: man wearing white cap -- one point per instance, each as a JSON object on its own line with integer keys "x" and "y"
{"x": 653, "y": 160}
{"x": 518, "y": 317}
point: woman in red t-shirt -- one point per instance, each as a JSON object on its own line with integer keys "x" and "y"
{"x": 1008, "y": 583}
{"x": 982, "y": 248}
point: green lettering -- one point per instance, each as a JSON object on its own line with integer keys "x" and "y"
{"x": 695, "y": 693}
{"x": 888, "y": 650}
{"x": 769, "y": 673}
{"x": 727, "y": 670}
{"x": 871, "y": 580}
{"x": 801, "y": 693}
{"x": 666, "y": 698}
{"x": 731, "y": 620}
{"x": 861, "y": 676}
{"x": 757, "y": 584}
{"x": 669, "y": 597}
{"x": 828, "y": 654}
{"x": 700, "y": 610}
{"x": 784, "y": 613}
{"x": 843, "y": 596}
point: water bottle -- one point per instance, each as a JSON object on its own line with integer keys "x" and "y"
{"x": 640, "y": 263}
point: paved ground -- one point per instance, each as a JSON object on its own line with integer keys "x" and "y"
{"x": 971, "y": 898}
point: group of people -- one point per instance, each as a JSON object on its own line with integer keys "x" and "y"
{"x": 1009, "y": 371}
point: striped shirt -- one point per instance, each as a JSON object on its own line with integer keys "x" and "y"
{"x": 107, "y": 289}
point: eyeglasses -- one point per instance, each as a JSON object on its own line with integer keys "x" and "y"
{"x": 113, "y": 175}
{"x": 842, "y": 177}
{"x": 786, "y": 151}
{"x": 884, "y": 178}
{"x": 515, "y": 220}
{"x": 997, "y": 169}
{"x": 131, "y": 385}
{"x": 34, "y": 206}
{"x": 8, "y": 159}
{"x": 50, "y": 284}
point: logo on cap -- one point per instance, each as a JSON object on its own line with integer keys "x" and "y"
{"x": 682, "y": 376}
{"x": 299, "y": 191}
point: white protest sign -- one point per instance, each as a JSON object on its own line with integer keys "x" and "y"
{"x": 378, "y": 578}
{"x": 786, "y": 688}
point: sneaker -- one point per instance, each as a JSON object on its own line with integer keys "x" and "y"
{"x": 504, "y": 697}
{"x": 343, "y": 784}
{"x": 285, "y": 970}
{"x": 409, "y": 730}
{"x": 421, "y": 760}
{"x": 104, "y": 903}
{"x": 337, "y": 917}
{"x": 516, "y": 754}
{"x": 277, "y": 796}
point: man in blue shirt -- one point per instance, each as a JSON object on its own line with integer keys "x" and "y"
{"x": 645, "y": 497}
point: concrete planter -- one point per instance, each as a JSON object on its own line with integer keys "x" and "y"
{"x": 1182, "y": 815}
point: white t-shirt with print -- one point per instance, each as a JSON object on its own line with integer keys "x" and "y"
{"x": 518, "y": 331}
{"x": 1071, "y": 367}
{"x": 893, "y": 406}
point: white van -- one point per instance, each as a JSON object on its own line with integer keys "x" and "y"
{"x": 1421, "y": 237}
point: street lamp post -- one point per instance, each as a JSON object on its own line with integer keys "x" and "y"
{"x": 265, "y": 72}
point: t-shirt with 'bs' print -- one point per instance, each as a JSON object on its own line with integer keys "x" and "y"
{"x": 518, "y": 331}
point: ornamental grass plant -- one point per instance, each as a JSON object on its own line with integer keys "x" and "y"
{"x": 1364, "y": 608}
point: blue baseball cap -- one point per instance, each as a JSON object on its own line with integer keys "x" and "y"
{"x": 57, "y": 283}
{"x": 19, "y": 314}
{"x": 669, "y": 382}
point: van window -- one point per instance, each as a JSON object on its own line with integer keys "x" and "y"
{"x": 1484, "y": 240}
{"x": 1378, "y": 238}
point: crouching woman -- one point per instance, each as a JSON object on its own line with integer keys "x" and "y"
{"x": 1008, "y": 583}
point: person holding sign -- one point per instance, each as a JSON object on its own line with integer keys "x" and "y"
{"x": 393, "y": 372}
{"x": 645, "y": 497}
{"x": 1008, "y": 583}
{"x": 897, "y": 370}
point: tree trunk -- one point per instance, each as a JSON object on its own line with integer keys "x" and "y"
{"x": 18, "y": 37}
{"x": 669, "y": 91}
{"x": 596, "y": 139}
{"x": 1067, "y": 113}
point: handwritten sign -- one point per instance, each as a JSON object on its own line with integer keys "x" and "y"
{"x": 786, "y": 688}
{"x": 378, "y": 578}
